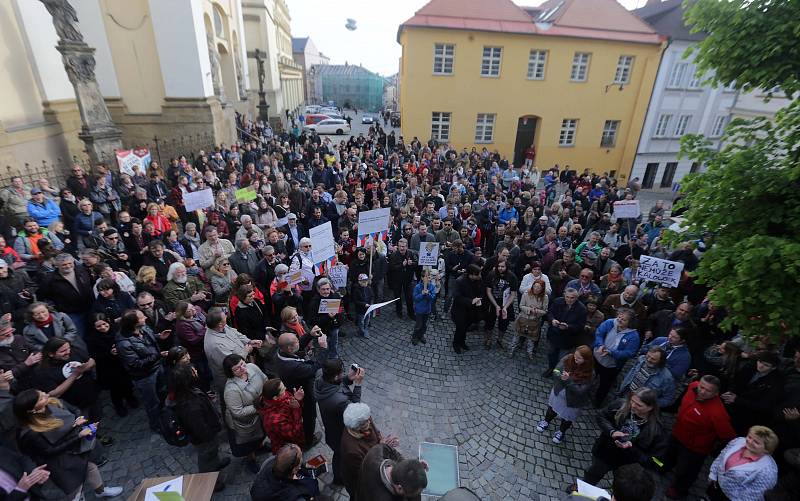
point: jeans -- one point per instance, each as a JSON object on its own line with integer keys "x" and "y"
{"x": 146, "y": 387}
{"x": 420, "y": 325}
{"x": 363, "y": 324}
{"x": 450, "y": 285}
{"x": 333, "y": 343}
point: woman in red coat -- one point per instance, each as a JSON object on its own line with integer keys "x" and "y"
{"x": 160, "y": 222}
{"x": 282, "y": 414}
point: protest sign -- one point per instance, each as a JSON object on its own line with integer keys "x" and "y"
{"x": 198, "y": 199}
{"x": 627, "y": 208}
{"x": 428, "y": 254}
{"x": 295, "y": 278}
{"x": 128, "y": 159}
{"x": 329, "y": 305}
{"x": 373, "y": 221}
{"x": 660, "y": 270}
{"x": 245, "y": 194}
{"x": 323, "y": 246}
{"x": 338, "y": 274}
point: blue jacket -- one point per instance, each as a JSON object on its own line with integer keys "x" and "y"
{"x": 678, "y": 360}
{"x": 45, "y": 213}
{"x": 84, "y": 225}
{"x": 507, "y": 215}
{"x": 423, "y": 303}
{"x": 661, "y": 382}
{"x": 627, "y": 347}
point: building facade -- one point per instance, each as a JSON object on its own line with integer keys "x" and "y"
{"x": 347, "y": 86}
{"x": 681, "y": 103}
{"x": 571, "y": 77}
{"x": 306, "y": 54}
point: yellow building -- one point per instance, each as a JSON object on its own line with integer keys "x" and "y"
{"x": 571, "y": 77}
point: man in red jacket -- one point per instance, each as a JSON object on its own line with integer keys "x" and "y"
{"x": 701, "y": 421}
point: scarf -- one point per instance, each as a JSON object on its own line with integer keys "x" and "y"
{"x": 46, "y": 323}
{"x": 297, "y": 329}
{"x": 177, "y": 247}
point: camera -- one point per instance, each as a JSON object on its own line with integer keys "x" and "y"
{"x": 355, "y": 367}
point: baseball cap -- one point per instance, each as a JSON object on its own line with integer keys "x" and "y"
{"x": 589, "y": 256}
{"x": 35, "y": 191}
{"x": 363, "y": 276}
{"x": 291, "y": 216}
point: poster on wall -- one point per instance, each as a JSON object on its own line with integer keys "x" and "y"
{"x": 131, "y": 161}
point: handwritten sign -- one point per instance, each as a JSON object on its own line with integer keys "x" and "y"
{"x": 198, "y": 200}
{"x": 329, "y": 305}
{"x": 373, "y": 221}
{"x": 627, "y": 208}
{"x": 660, "y": 270}
{"x": 428, "y": 253}
{"x": 338, "y": 276}
{"x": 323, "y": 246}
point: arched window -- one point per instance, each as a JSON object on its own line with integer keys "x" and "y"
{"x": 219, "y": 26}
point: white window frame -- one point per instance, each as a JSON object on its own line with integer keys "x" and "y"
{"x": 537, "y": 63}
{"x": 719, "y": 126}
{"x": 440, "y": 125}
{"x": 677, "y": 75}
{"x": 491, "y": 61}
{"x": 441, "y": 58}
{"x": 662, "y": 125}
{"x": 681, "y": 125}
{"x": 568, "y": 132}
{"x": 608, "y": 139}
{"x": 695, "y": 80}
{"x": 624, "y": 70}
{"x": 484, "y": 128}
{"x": 580, "y": 67}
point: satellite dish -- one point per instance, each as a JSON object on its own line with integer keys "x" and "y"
{"x": 351, "y": 24}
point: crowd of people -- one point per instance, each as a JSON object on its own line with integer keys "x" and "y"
{"x": 212, "y": 320}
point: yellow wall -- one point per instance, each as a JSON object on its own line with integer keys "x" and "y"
{"x": 465, "y": 94}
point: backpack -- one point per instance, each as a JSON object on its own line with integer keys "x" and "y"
{"x": 170, "y": 428}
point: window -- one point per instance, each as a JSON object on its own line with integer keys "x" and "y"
{"x": 219, "y": 26}
{"x": 696, "y": 80}
{"x": 536, "y": 63}
{"x": 490, "y": 64}
{"x": 567, "y": 135}
{"x": 443, "y": 57}
{"x": 580, "y": 67}
{"x": 682, "y": 124}
{"x": 649, "y": 176}
{"x": 484, "y": 128}
{"x": 669, "y": 174}
{"x": 695, "y": 168}
{"x": 609, "y": 137}
{"x": 623, "y": 73}
{"x": 676, "y": 76}
{"x": 662, "y": 125}
{"x": 440, "y": 126}
{"x": 719, "y": 126}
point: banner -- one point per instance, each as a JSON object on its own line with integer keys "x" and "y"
{"x": 198, "y": 199}
{"x": 429, "y": 254}
{"x": 374, "y": 221}
{"x": 338, "y": 276}
{"x": 323, "y": 247}
{"x": 627, "y": 208}
{"x": 660, "y": 270}
{"x": 128, "y": 159}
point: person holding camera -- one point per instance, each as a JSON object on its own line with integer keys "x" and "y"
{"x": 333, "y": 394}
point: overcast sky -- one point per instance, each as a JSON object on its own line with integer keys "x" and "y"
{"x": 374, "y": 42}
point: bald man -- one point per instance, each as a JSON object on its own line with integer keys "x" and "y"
{"x": 296, "y": 372}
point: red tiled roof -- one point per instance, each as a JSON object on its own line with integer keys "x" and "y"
{"x": 598, "y": 19}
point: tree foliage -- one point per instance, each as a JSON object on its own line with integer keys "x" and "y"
{"x": 752, "y": 42}
{"x": 749, "y": 196}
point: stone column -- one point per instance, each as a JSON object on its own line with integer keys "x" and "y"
{"x": 99, "y": 133}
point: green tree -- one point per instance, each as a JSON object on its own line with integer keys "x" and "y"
{"x": 749, "y": 196}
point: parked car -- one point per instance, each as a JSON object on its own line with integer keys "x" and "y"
{"x": 395, "y": 119}
{"x": 311, "y": 109}
{"x": 330, "y": 126}
{"x": 315, "y": 118}
{"x": 368, "y": 119}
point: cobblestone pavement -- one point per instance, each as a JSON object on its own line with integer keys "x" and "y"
{"x": 481, "y": 401}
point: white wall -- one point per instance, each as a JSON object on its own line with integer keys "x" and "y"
{"x": 94, "y": 33}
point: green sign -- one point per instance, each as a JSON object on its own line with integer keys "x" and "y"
{"x": 442, "y": 462}
{"x": 245, "y": 194}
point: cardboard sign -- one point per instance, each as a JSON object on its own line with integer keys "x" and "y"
{"x": 660, "y": 270}
{"x": 374, "y": 221}
{"x": 323, "y": 247}
{"x": 246, "y": 194}
{"x": 296, "y": 277}
{"x": 338, "y": 276}
{"x": 627, "y": 208}
{"x": 329, "y": 305}
{"x": 128, "y": 159}
{"x": 429, "y": 254}
{"x": 198, "y": 200}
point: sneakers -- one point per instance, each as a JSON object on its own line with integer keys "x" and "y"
{"x": 543, "y": 424}
{"x": 558, "y": 437}
{"x": 109, "y": 492}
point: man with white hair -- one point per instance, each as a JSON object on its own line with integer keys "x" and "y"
{"x": 302, "y": 261}
{"x": 183, "y": 287}
{"x": 359, "y": 437}
{"x": 247, "y": 225}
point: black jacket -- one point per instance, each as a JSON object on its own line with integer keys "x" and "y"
{"x": 652, "y": 442}
{"x": 198, "y": 417}
{"x": 64, "y": 296}
{"x": 325, "y": 321}
{"x": 465, "y": 291}
{"x": 400, "y": 273}
{"x": 140, "y": 355}
{"x": 266, "y": 487}
{"x": 755, "y": 401}
{"x": 333, "y": 399}
{"x": 575, "y": 317}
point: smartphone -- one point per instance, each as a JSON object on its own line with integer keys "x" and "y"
{"x": 354, "y": 367}
{"x": 318, "y": 464}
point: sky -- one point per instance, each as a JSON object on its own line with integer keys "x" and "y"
{"x": 374, "y": 42}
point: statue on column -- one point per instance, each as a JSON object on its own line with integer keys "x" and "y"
{"x": 65, "y": 20}
{"x": 240, "y": 77}
{"x": 215, "y": 67}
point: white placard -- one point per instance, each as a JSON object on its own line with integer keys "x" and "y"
{"x": 374, "y": 221}
{"x": 627, "y": 208}
{"x": 338, "y": 276}
{"x": 428, "y": 253}
{"x": 379, "y": 305}
{"x": 198, "y": 200}
{"x": 322, "y": 245}
{"x": 590, "y": 491}
{"x": 660, "y": 270}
